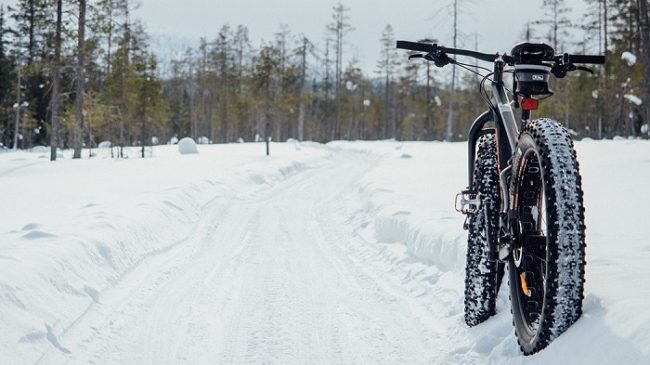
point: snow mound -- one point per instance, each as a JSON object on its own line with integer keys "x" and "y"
{"x": 633, "y": 99}
{"x": 187, "y": 146}
{"x": 40, "y": 149}
{"x": 105, "y": 144}
{"x": 594, "y": 94}
{"x": 629, "y": 58}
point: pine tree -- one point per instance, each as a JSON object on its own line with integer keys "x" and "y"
{"x": 386, "y": 68}
{"x": 340, "y": 27}
{"x": 557, "y": 20}
{"x": 33, "y": 39}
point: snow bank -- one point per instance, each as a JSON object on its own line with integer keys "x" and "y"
{"x": 187, "y": 146}
{"x": 405, "y": 217}
{"x": 99, "y": 219}
{"x": 40, "y": 149}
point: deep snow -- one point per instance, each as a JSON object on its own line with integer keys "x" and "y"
{"x": 349, "y": 252}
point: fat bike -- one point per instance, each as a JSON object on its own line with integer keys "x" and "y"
{"x": 524, "y": 200}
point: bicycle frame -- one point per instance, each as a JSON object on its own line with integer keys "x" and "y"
{"x": 506, "y": 133}
{"x": 506, "y": 128}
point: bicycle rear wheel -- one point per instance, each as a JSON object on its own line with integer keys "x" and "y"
{"x": 483, "y": 272}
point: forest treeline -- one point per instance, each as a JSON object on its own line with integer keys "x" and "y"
{"x": 74, "y": 73}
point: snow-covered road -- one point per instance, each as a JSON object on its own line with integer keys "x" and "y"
{"x": 258, "y": 281}
{"x": 342, "y": 254}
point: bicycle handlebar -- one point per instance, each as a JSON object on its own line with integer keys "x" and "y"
{"x": 596, "y": 60}
{"x": 415, "y": 46}
{"x": 426, "y": 47}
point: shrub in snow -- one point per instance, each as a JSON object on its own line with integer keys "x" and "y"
{"x": 105, "y": 144}
{"x": 187, "y": 146}
{"x": 240, "y": 140}
{"x": 629, "y": 58}
{"x": 204, "y": 140}
{"x": 154, "y": 140}
{"x": 174, "y": 140}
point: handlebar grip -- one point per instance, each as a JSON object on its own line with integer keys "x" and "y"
{"x": 596, "y": 60}
{"x": 415, "y": 46}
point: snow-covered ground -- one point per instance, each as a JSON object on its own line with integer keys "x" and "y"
{"x": 349, "y": 252}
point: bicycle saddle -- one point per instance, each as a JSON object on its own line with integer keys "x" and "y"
{"x": 537, "y": 51}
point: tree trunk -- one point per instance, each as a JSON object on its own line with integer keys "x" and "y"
{"x": 644, "y": 24}
{"x": 81, "y": 79}
{"x": 56, "y": 84}
{"x": 303, "y": 77}
{"x": 18, "y": 106}
{"x": 450, "y": 116}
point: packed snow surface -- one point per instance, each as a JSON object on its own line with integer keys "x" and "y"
{"x": 344, "y": 253}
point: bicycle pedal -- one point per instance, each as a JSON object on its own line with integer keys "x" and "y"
{"x": 467, "y": 202}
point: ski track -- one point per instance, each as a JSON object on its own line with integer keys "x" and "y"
{"x": 265, "y": 279}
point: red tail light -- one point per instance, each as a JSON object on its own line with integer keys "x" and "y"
{"x": 529, "y": 104}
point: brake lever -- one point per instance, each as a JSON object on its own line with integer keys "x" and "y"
{"x": 560, "y": 70}
{"x": 439, "y": 58}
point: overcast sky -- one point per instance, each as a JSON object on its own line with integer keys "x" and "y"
{"x": 498, "y": 23}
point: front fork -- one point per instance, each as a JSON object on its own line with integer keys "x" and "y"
{"x": 506, "y": 216}
{"x": 469, "y": 201}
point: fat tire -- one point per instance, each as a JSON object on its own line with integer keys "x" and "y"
{"x": 483, "y": 272}
{"x": 563, "y": 291}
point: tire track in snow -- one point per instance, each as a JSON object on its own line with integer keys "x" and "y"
{"x": 271, "y": 278}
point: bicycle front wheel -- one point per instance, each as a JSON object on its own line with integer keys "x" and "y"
{"x": 546, "y": 268}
